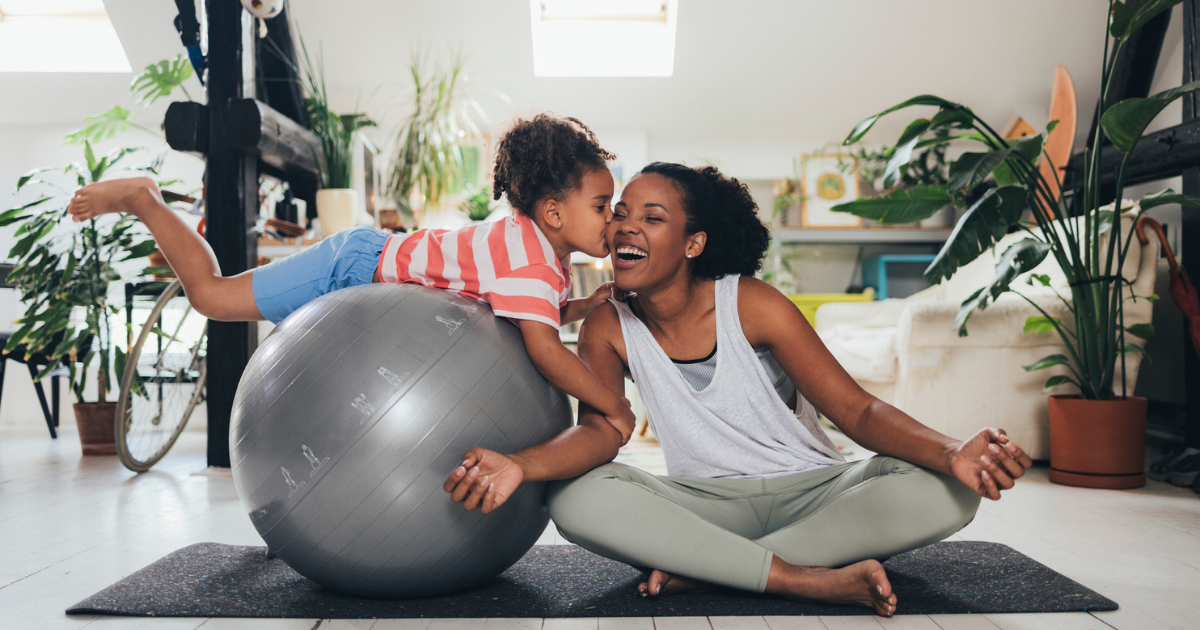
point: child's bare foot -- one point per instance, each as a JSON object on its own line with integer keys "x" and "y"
{"x": 861, "y": 584}
{"x": 116, "y": 195}
{"x": 662, "y": 583}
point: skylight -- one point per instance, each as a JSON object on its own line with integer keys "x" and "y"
{"x": 58, "y": 36}
{"x": 603, "y": 38}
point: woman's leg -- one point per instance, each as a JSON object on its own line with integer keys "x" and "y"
{"x": 876, "y": 509}
{"x": 210, "y": 293}
{"x": 699, "y": 529}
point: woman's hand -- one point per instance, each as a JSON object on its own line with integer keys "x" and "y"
{"x": 485, "y": 478}
{"x": 989, "y": 462}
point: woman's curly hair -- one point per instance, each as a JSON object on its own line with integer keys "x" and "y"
{"x": 723, "y": 209}
{"x": 545, "y": 157}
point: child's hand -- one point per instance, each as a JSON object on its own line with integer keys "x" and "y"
{"x": 485, "y": 478}
{"x": 602, "y": 294}
{"x": 624, "y": 421}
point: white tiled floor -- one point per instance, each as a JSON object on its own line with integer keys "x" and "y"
{"x": 70, "y": 526}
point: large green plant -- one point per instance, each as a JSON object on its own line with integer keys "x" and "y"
{"x": 336, "y": 131}
{"x": 429, "y": 158}
{"x": 60, "y": 269}
{"x": 1096, "y": 337}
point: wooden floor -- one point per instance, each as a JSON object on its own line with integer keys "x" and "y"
{"x": 69, "y": 526}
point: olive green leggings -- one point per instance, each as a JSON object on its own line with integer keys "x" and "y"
{"x": 724, "y": 531}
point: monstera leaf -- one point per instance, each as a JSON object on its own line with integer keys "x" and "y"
{"x": 899, "y": 206}
{"x": 158, "y": 80}
{"x": 1022, "y": 256}
{"x": 984, "y": 223}
{"x": 96, "y": 128}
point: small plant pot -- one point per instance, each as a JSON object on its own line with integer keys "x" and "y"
{"x": 1098, "y": 443}
{"x": 97, "y": 431}
{"x": 336, "y": 208}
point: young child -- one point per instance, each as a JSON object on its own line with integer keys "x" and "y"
{"x": 555, "y": 176}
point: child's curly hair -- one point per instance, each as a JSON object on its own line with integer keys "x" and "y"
{"x": 545, "y": 157}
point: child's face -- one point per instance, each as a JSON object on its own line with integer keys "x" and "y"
{"x": 586, "y": 211}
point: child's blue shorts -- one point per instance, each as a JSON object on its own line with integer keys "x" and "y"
{"x": 346, "y": 259}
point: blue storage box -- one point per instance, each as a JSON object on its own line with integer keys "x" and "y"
{"x": 896, "y": 275}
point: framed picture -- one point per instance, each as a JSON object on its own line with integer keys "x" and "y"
{"x": 824, "y": 183}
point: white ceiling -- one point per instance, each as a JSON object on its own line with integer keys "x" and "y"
{"x": 794, "y": 72}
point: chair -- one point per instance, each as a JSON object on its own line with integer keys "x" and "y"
{"x": 907, "y": 353}
{"x": 35, "y": 363}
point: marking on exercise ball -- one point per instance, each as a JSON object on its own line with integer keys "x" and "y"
{"x": 392, "y": 379}
{"x": 259, "y": 515}
{"x": 452, "y": 324}
{"x": 469, "y": 309}
{"x": 362, "y": 404}
{"x": 312, "y": 460}
{"x": 287, "y": 476}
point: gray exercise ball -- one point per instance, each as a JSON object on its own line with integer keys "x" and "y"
{"x": 351, "y": 415}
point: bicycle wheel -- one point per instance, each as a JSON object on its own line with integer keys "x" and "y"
{"x": 163, "y": 382}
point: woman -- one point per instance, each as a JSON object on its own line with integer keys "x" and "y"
{"x": 758, "y": 498}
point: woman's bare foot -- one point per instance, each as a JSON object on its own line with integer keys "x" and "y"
{"x": 115, "y": 195}
{"x": 662, "y": 583}
{"x": 862, "y": 584}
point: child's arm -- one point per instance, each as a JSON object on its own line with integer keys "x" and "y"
{"x": 486, "y": 478}
{"x": 563, "y": 369}
{"x": 576, "y": 310}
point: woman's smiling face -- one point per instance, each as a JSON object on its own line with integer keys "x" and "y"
{"x": 647, "y": 235}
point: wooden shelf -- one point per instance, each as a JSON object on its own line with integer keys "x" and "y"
{"x": 863, "y": 236}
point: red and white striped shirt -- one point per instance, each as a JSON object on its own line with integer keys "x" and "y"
{"x": 508, "y": 263}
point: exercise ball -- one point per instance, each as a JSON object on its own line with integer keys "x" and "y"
{"x": 351, "y": 415}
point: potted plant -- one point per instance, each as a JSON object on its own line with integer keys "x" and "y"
{"x": 337, "y": 202}
{"x": 478, "y": 204}
{"x": 1097, "y": 436}
{"x": 429, "y": 162}
{"x": 60, "y": 271}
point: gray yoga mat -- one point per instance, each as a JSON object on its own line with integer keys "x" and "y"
{"x": 213, "y": 580}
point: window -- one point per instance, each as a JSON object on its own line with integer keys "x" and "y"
{"x": 603, "y": 38}
{"x": 58, "y": 36}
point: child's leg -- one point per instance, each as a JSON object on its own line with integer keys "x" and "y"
{"x": 210, "y": 293}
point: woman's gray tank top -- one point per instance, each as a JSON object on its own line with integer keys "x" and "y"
{"x": 736, "y": 427}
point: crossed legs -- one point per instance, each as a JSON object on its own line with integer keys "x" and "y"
{"x": 813, "y": 535}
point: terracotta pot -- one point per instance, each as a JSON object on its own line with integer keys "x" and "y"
{"x": 97, "y": 433}
{"x": 335, "y": 209}
{"x": 1098, "y": 443}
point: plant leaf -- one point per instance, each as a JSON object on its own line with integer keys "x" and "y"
{"x": 1119, "y": 19}
{"x": 957, "y": 118}
{"x": 902, "y": 153}
{"x": 1027, "y": 148}
{"x": 158, "y": 80}
{"x": 1143, "y": 331}
{"x": 863, "y": 127}
{"x": 1047, "y": 361}
{"x": 1040, "y": 324}
{"x": 899, "y": 206}
{"x": 1055, "y": 381}
{"x": 96, "y": 128}
{"x": 1125, "y": 122}
{"x": 1146, "y": 10}
{"x": 1130, "y": 348}
{"x": 984, "y": 223}
{"x": 1038, "y": 278}
{"x": 25, "y": 179}
{"x": 1019, "y": 258}
{"x": 972, "y": 168}
{"x": 1167, "y": 196}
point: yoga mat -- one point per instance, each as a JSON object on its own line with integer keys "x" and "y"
{"x": 213, "y": 580}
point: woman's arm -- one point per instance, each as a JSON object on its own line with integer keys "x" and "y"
{"x": 487, "y": 478}
{"x": 987, "y": 463}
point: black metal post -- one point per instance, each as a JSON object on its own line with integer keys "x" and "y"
{"x": 1189, "y": 233}
{"x": 231, "y": 197}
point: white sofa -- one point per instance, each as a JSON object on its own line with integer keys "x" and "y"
{"x": 907, "y": 352}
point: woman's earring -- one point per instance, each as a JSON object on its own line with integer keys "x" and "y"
{"x": 560, "y": 224}
{"x": 689, "y": 255}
